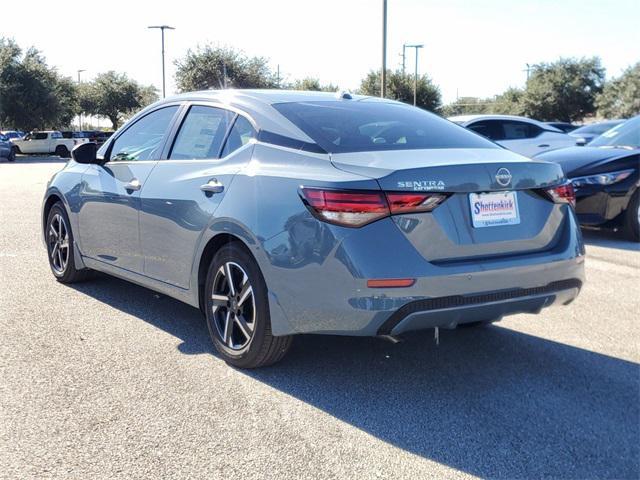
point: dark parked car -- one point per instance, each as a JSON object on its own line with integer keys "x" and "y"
{"x": 605, "y": 177}
{"x": 11, "y": 134}
{"x": 587, "y": 133}
{"x": 6, "y": 149}
{"x": 566, "y": 127}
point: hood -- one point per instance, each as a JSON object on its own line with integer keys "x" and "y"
{"x": 578, "y": 160}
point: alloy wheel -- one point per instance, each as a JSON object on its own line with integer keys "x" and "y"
{"x": 58, "y": 240}
{"x": 233, "y": 306}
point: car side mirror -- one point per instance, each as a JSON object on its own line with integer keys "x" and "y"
{"x": 85, "y": 153}
{"x": 581, "y": 142}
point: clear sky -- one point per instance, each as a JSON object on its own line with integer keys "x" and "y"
{"x": 472, "y": 48}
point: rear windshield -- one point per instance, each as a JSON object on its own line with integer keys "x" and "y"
{"x": 357, "y": 126}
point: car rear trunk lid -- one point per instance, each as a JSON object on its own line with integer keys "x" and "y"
{"x": 448, "y": 234}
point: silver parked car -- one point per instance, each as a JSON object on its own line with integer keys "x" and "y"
{"x": 278, "y": 213}
{"x": 523, "y": 135}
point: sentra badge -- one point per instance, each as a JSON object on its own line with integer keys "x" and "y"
{"x": 423, "y": 185}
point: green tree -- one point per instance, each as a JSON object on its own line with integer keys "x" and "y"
{"x": 312, "y": 84}
{"x": 620, "y": 97}
{"x": 216, "y": 67}
{"x": 400, "y": 87}
{"x": 468, "y": 106}
{"x": 508, "y": 102}
{"x": 32, "y": 94}
{"x": 114, "y": 96}
{"x": 563, "y": 90}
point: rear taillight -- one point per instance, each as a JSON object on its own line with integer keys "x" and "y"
{"x": 562, "y": 194}
{"x": 401, "y": 202}
{"x": 355, "y": 208}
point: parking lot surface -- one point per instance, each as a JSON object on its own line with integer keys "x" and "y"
{"x": 109, "y": 380}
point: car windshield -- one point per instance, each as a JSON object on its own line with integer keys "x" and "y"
{"x": 595, "y": 129}
{"x": 357, "y": 126}
{"x": 626, "y": 134}
{"x": 3, "y": 138}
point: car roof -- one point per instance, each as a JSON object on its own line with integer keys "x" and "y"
{"x": 257, "y": 104}
{"x": 466, "y": 119}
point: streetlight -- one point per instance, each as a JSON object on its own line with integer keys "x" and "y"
{"x": 383, "y": 78}
{"x": 162, "y": 29}
{"x": 415, "y": 78}
{"x": 404, "y": 57}
{"x": 79, "y": 113}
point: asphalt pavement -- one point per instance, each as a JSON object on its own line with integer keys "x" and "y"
{"x": 109, "y": 380}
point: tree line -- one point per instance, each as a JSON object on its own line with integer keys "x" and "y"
{"x": 566, "y": 90}
{"x": 34, "y": 95}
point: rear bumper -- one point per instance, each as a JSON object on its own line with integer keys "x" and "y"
{"x": 449, "y": 312}
{"x": 330, "y": 295}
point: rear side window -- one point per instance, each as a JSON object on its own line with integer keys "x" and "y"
{"x": 143, "y": 139}
{"x": 241, "y": 133}
{"x": 201, "y": 134}
{"x": 491, "y": 129}
{"x": 342, "y": 126}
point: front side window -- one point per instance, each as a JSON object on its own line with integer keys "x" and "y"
{"x": 143, "y": 139}
{"x": 241, "y": 134}
{"x": 39, "y": 136}
{"x": 341, "y": 126}
{"x": 201, "y": 134}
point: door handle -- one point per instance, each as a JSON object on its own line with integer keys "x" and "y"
{"x": 212, "y": 186}
{"x": 133, "y": 185}
{"x": 544, "y": 145}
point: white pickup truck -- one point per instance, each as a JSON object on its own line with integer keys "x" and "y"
{"x": 47, "y": 142}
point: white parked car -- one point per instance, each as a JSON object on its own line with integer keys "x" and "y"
{"x": 47, "y": 142}
{"x": 520, "y": 134}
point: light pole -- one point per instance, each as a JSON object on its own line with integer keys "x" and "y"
{"x": 415, "y": 78}
{"x": 383, "y": 78}
{"x": 80, "y": 113}
{"x": 162, "y": 29}
{"x": 404, "y": 57}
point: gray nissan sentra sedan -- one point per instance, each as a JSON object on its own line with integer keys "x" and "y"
{"x": 278, "y": 213}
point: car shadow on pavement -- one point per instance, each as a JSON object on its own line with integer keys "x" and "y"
{"x": 492, "y": 402}
{"x": 609, "y": 239}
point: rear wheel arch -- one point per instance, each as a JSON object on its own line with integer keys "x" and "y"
{"x": 213, "y": 245}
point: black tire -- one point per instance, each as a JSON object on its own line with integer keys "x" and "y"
{"x": 632, "y": 218}
{"x": 228, "y": 315}
{"x": 58, "y": 227}
{"x": 12, "y": 155}
{"x": 62, "y": 151}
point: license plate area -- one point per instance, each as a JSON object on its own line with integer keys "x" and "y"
{"x": 494, "y": 209}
